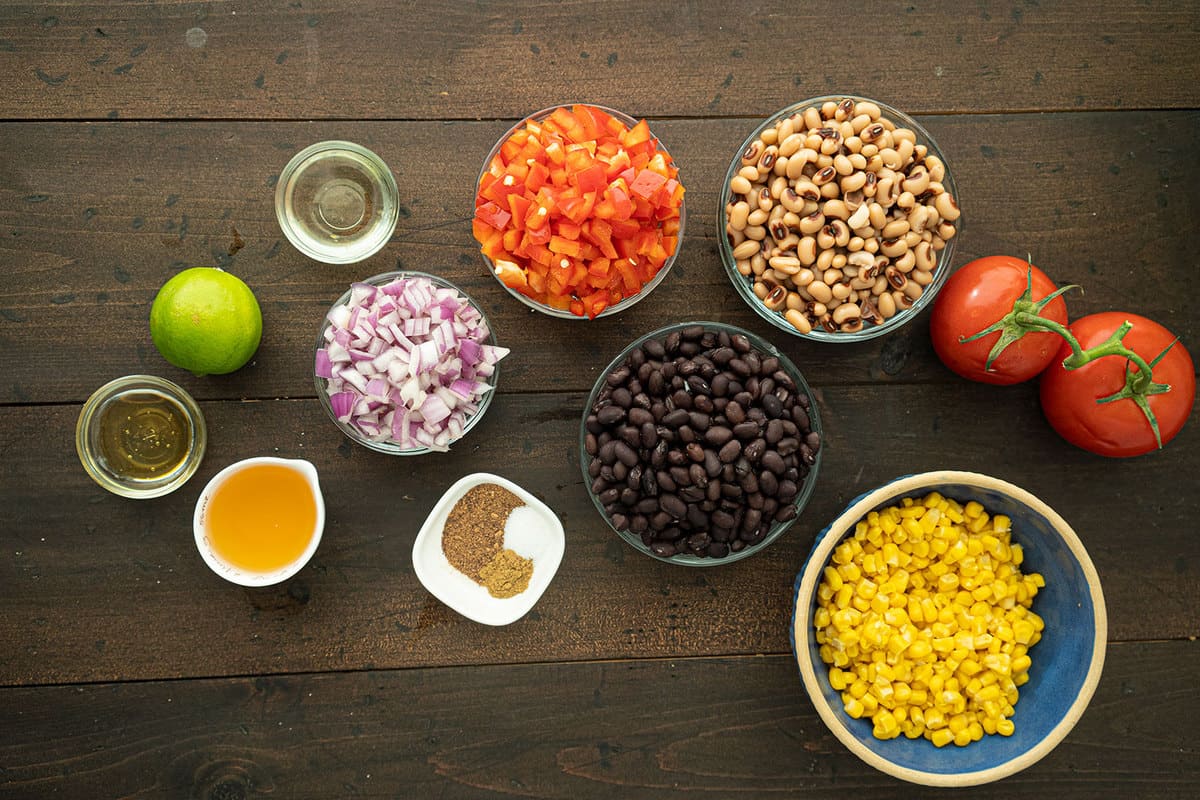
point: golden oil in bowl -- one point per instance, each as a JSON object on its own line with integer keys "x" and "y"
{"x": 140, "y": 436}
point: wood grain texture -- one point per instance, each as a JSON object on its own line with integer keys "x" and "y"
{"x": 723, "y": 727}
{"x": 96, "y": 587}
{"x": 1106, "y": 200}
{"x": 88, "y": 60}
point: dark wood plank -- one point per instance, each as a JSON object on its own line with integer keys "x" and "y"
{"x": 730, "y": 727}
{"x": 1103, "y": 200}
{"x": 96, "y": 587}
{"x": 76, "y": 60}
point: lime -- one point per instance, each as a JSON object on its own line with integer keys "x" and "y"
{"x": 206, "y": 321}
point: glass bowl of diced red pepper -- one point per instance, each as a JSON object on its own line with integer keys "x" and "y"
{"x": 579, "y": 211}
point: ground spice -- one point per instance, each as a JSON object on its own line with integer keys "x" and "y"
{"x": 473, "y": 540}
{"x": 507, "y": 574}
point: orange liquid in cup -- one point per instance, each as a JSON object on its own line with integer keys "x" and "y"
{"x": 261, "y": 518}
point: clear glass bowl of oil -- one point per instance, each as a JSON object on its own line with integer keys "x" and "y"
{"x": 337, "y": 202}
{"x": 140, "y": 436}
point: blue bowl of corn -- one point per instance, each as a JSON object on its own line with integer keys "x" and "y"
{"x": 949, "y": 628}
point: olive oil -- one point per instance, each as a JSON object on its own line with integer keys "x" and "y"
{"x": 143, "y": 435}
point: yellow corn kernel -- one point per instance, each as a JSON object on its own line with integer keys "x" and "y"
{"x": 833, "y": 578}
{"x": 912, "y": 512}
{"x": 837, "y": 679}
{"x": 989, "y": 725}
{"x": 941, "y": 738}
{"x": 978, "y": 524}
{"x": 972, "y": 509}
{"x": 870, "y": 703}
{"x": 1005, "y": 727}
{"x": 850, "y": 572}
{"x": 821, "y": 618}
{"x": 854, "y": 708}
{"x": 962, "y": 738}
{"x": 1021, "y": 678}
{"x": 1020, "y": 664}
{"x": 858, "y": 689}
{"x": 988, "y": 694}
{"x": 918, "y": 698}
{"x": 912, "y": 527}
{"x": 1001, "y": 523}
{"x": 842, "y": 598}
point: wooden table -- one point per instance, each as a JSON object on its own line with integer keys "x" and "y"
{"x": 142, "y": 138}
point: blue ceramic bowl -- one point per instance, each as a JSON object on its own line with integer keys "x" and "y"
{"x": 1066, "y": 662}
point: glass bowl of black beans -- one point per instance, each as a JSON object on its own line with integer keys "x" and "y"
{"x": 700, "y": 443}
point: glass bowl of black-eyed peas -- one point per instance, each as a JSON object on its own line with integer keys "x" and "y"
{"x": 840, "y": 216}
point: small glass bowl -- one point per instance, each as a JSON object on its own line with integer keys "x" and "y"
{"x": 806, "y": 489}
{"x": 744, "y": 285}
{"x": 628, "y": 301}
{"x": 389, "y": 447}
{"x": 331, "y": 188}
{"x": 137, "y": 390}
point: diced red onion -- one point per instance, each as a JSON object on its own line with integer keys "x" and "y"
{"x": 406, "y": 362}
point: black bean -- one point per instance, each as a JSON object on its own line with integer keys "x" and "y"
{"x": 751, "y": 520}
{"x": 800, "y": 416}
{"x": 692, "y": 332}
{"x": 754, "y": 451}
{"x": 698, "y": 476}
{"x": 671, "y": 344}
{"x": 699, "y": 541}
{"x": 606, "y": 452}
{"x": 594, "y": 467}
{"x": 735, "y": 412}
{"x": 699, "y": 421}
{"x": 649, "y": 484}
{"x": 717, "y": 550}
{"x": 676, "y": 457}
{"x": 772, "y": 405}
{"x": 719, "y": 384}
{"x": 746, "y": 430}
{"x": 768, "y": 483}
{"x": 712, "y": 464}
{"x": 641, "y": 400}
{"x": 648, "y": 436}
{"x": 619, "y": 521}
{"x": 713, "y": 492}
{"x": 675, "y": 418}
{"x": 740, "y": 343}
{"x": 787, "y": 491}
{"x": 813, "y": 440}
{"x": 698, "y": 385}
{"x": 653, "y": 349}
{"x": 731, "y": 450}
{"x": 638, "y": 523}
{"x": 722, "y": 519}
{"x": 608, "y": 496}
{"x": 704, "y": 404}
{"x": 688, "y": 368}
{"x": 618, "y": 376}
{"x": 625, "y": 454}
{"x": 628, "y": 497}
{"x": 640, "y": 416}
{"x": 660, "y": 520}
{"x": 691, "y": 494}
{"x": 722, "y": 355}
{"x": 630, "y": 436}
{"x": 658, "y": 456}
{"x": 740, "y": 367}
{"x": 718, "y": 435}
{"x": 610, "y": 415}
{"x": 589, "y": 444}
{"x": 774, "y": 431}
{"x": 622, "y": 397}
{"x": 749, "y": 484}
{"x": 634, "y": 481}
{"x": 672, "y": 505}
{"x": 787, "y": 445}
{"x": 655, "y": 384}
{"x": 680, "y": 476}
{"x": 686, "y": 434}
{"x": 663, "y": 549}
{"x": 785, "y": 512}
{"x": 698, "y": 519}
{"x": 772, "y": 461}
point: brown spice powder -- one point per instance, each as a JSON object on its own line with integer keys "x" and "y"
{"x": 474, "y": 531}
{"x": 507, "y": 574}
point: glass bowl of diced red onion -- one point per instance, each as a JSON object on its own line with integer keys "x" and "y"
{"x": 405, "y": 363}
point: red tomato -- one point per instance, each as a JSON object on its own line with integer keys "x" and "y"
{"x": 1118, "y": 428}
{"x": 976, "y": 296}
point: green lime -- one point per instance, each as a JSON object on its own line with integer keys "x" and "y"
{"x": 206, "y": 321}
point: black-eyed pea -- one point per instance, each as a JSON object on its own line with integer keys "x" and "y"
{"x": 788, "y": 265}
{"x": 860, "y": 121}
{"x": 932, "y": 219}
{"x": 831, "y": 145}
{"x": 798, "y": 320}
{"x": 824, "y": 260}
{"x": 860, "y": 283}
{"x": 794, "y": 169}
{"x": 842, "y": 165}
{"x": 794, "y": 302}
{"x": 760, "y": 289}
{"x": 868, "y": 108}
{"x": 872, "y": 133}
{"x": 924, "y": 256}
{"x": 886, "y": 305}
{"x": 937, "y": 243}
{"x": 812, "y": 117}
{"x": 841, "y": 232}
{"x": 820, "y": 291}
{"x": 745, "y": 249}
{"x": 791, "y": 218}
{"x": 739, "y": 184}
{"x": 841, "y": 290}
{"x": 935, "y": 188}
{"x": 920, "y": 152}
{"x": 851, "y": 326}
{"x": 817, "y": 309}
{"x": 878, "y": 216}
{"x": 846, "y": 311}
{"x": 895, "y": 229}
{"x": 743, "y": 268}
{"x": 905, "y": 200}
{"x": 858, "y": 161}
{"x": 767, "y": 160}
{"x": 853, "y": 182}
{"x": 739, "y": 214}
{"x": 765, "y": 201}
{"x": 835, "y": 209}
{"x": 756, "y": 232}
{"x": 845, "y": 130}
{"x": 936, "y": 167}
{"x": 769, "y": 136}
{"x": 918, "y": 218}
{"x": 735, "y": 236}
{"x": 854, "y": 199}
{"x": 789, "y": 242}
{"x": 946, "y": 231}
{"x": 752, "y": 152}
{"x": 845, "y": 109}
{"x": 866, "y": 304}
{"x": 921, "y": 276}
{"x": 807, "y": 190}
{"x": 896, "y": 278}
{"x": 791, "y": 144}
{"x": 852, "y": 145}
{"x": 777, "y": 185}
{"x": 827, "y": 324}
{"x": 856, "y": 243}
{"x": 812, "y": 223}
{"x": 831, "y": 191}
{"x": 803, "y": 278}
{"x": 824, "y": 175}
{"x": 776, "y": 299}
{"x": 892, "y": 248}
{"x": 862, "y": 260}
{"x": 917, "y": 181}
{"x": 905, "y": 150}
{"x": 750, "y": 173}
{"x": 869, "y": 151}
{"x": 785, "y": 128}
{"x": 758, "y": 216}
{"x": 791, "y": 201}
{"x": 906, "y": 262}
{"x": 806, "y": 251}
{"x": 912, "y": 290}
{"x": 758, "y": 263}
{"x": 883, "y": 194}
{"x": 828, "y": 109}
{"x": 881, "y": 286}
{"x": 912, "y": 238}
{"x": 872, "y": 240}
{"x": 890, "y": 158}
{"x": 946, "y": 207}
{"x": 860, "y": 217}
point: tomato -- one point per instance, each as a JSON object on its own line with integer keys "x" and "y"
{"x": 1118, "y": 428}
{"x": 980, "y": 294}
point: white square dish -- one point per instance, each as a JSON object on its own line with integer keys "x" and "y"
{"x": 533, "y": 531}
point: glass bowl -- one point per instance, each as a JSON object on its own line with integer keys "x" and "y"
{"x": 1065, "y": 664}
{"x": 806, "y": 484}
{"x": 628, "y": 301}
{"x": 337, "y": 202}
{"x": 744, "y": 285}
{"x": 130, "y": 430}
{"x": 388, "y": 446}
